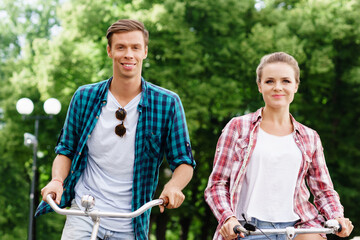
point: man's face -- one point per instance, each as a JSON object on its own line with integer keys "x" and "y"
{"x": 127, "y": 51}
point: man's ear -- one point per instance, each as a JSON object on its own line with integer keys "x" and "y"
{"x": 108, "y": 49}
{"x": 146, "y": 52}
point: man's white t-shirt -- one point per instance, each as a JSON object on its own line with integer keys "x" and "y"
{"x": 108, "y": 175}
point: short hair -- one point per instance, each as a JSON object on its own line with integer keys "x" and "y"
{"x": 275, "y": 58}
{"x": 127, "y": 25}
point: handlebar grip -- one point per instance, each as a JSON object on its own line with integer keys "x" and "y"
{"x": 52, "y": 195}
{"x": 237, "y": 229}
{"x": 165, "y": 201}
{"x": 340, "y": 228}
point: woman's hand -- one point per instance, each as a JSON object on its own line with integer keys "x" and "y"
{"x": 346, "y": 226}
{"x": 227, "y": 230}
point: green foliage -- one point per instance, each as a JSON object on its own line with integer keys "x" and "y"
{"x": 206, "y": 51}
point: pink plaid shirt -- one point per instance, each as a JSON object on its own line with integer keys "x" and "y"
{"x": 234, "y": 149}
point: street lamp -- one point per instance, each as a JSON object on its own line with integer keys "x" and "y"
{"x": 25, "y": 106}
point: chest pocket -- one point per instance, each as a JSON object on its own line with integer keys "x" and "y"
{"x": 152, "y": 145}
{"x": 241, "y": 147}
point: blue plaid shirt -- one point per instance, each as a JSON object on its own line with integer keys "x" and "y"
{"x": 161, "y": 129}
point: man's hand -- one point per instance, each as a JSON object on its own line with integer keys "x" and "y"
{"x": 172, "y": 190}
{"x": 55, "y": 188}
{"x": 174, "y": 197}
{"x": 227, "y": 230}
{"x": 60, "y": 169}
{"x": 346, "y": 226}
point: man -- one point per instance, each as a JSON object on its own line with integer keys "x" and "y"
{"x": 113, "y": 141}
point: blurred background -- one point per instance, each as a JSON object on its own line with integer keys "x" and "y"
{"x": 206, "y": 51}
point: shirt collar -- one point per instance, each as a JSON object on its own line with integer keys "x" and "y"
{"x": 104, "y": 90}
{"x": 257, "y": 117}
{"x": 297, "y": 126}
{"x": 143, "y": 103}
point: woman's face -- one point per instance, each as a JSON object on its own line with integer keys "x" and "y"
{"x": 278, "y": 85}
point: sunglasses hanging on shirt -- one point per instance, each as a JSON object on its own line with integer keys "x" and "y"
{"x": 120, "y": 129}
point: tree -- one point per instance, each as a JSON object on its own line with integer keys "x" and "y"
{"x": 204, "y": 50}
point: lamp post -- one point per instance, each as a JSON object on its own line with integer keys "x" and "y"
{"x": 25, "y": 106}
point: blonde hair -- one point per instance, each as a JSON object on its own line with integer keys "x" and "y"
{"x": 275, "y": 58}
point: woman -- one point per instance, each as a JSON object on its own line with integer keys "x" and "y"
{"x": 264, "y": 159}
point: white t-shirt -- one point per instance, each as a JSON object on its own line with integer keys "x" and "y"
{"x": 270, "y": 180}
{"x": 108, "y": 175}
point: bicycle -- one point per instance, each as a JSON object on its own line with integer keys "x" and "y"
{"x": 330, "y": 227}
{"x": 88, "y": 202}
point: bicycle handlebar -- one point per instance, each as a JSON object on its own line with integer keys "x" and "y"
{"x": 331, "y": 227}
{"x": 89, "y": 203}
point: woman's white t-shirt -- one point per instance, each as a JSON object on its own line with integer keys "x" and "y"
{"x": 270, "y": 180}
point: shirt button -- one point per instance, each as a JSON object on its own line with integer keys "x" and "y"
{"x": 72, "y": 171}
{"x": 218, "y": 149}
{"x": 79, "y": 153}
{"x": 89, "y": 136}
{"x": 97, "y": 117}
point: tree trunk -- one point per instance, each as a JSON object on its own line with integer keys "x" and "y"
{"x": 206, "y": 224}
{"x": 161, "y": 222}
{"x": 185, "y": 226}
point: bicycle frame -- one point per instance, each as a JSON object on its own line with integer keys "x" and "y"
{"x": 88, "y": 202}
{"x": 331, "y": 227}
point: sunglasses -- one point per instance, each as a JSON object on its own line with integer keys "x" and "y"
{"x": 120, "y": 129}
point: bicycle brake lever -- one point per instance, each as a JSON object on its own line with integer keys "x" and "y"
{"x": 250, "y": 227}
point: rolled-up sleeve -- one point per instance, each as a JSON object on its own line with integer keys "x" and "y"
{"x": 178, "y": 148}
{"x": 217, "y": 193}
{"x": 69, "y": 135}
{"x": 326, "y": 199}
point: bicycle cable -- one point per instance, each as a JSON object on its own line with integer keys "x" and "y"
{"x": 251, "y": 227}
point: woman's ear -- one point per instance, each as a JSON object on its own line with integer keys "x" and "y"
{"x": 259, "y": 87}
{"x": 296, "y": 87}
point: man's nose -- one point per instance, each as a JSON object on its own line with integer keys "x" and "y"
{"x": 129, "y": 53}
